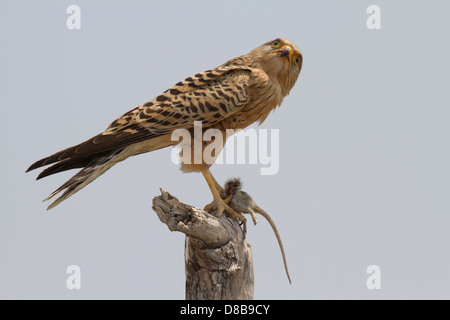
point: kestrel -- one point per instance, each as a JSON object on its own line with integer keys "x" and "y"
{"x": 234, "y": 95}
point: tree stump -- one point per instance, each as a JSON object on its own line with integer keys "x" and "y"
{"x": 218, "y": 259}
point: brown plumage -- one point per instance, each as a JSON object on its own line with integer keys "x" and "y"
{"x": 240, "y": 201}
{"x": 232, "y": 96}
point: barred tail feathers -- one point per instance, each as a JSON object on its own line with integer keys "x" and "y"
{"x": 85, "y": 176}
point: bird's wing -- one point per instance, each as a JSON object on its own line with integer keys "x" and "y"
{"x": 209, "y": 96}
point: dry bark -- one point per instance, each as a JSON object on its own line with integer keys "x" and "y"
{"x": 218, "y": 259}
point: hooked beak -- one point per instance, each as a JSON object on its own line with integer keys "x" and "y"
{"x": 286, "y": 53}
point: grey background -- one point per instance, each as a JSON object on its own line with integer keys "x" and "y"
{"x": 364, "y": 153}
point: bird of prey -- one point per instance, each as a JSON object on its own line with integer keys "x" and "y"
{"x": 234, "y": 95}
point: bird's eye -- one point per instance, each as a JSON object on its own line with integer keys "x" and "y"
{"x": 297, "y": 60}
{"x": 275, "y": 44}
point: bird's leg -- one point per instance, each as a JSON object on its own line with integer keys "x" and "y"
{"x": 218, "y": 186}
{"x": 221, "y": 190}
{"x": 219, "y": 203}
{"x": 227, "y": 200}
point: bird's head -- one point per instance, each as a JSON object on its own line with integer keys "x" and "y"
{"x": 232, "y": 185}
{"x": 281, "y": 60}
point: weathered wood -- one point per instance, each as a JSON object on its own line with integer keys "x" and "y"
{"x": 218, "y": 260}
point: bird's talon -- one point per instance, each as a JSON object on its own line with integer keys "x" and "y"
{"x": 209, "y": 207}
{"x": 221, "y": 206}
